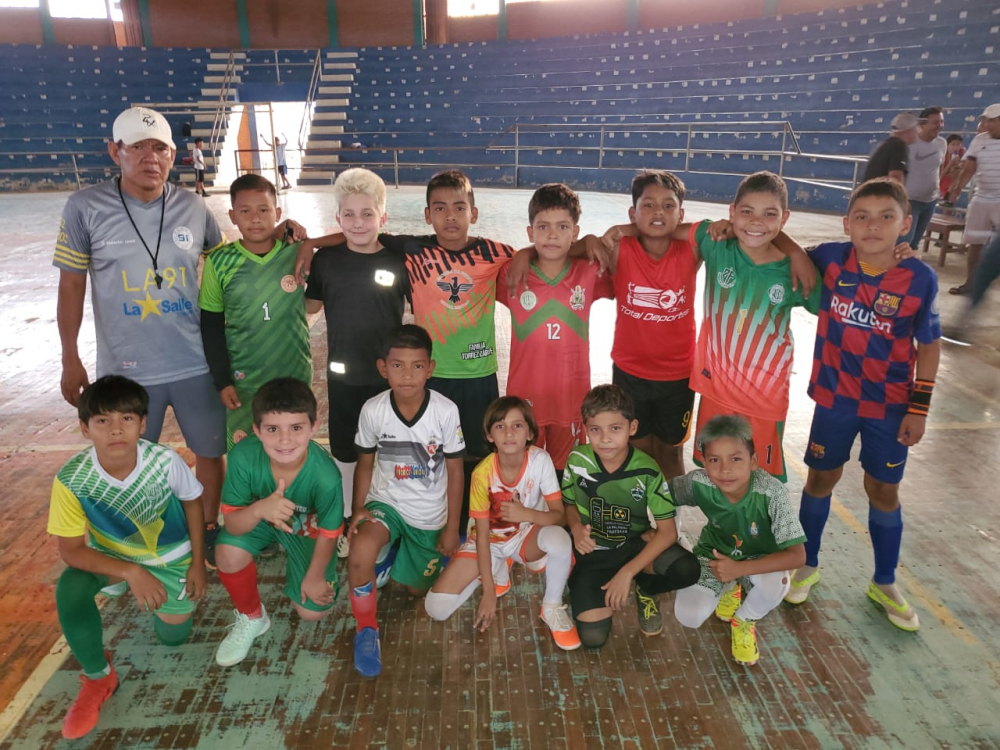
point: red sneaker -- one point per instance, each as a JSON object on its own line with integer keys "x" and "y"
{"x": 86, "y": 709}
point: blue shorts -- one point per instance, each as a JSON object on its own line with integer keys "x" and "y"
{"x": 831, "y": 438}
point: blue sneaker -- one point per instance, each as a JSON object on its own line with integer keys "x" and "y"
{"x": 367, "y": 653}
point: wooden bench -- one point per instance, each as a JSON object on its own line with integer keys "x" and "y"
{"x": 944, "y": 225}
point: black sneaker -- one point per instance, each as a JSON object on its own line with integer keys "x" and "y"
{"x": 211, "y": 534}
{"x": 650, "y": 619}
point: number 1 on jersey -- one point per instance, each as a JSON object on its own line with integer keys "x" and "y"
{"x": 267, "y": 313}
{"x": 554, "y": 329}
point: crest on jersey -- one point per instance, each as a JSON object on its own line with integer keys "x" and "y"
{"x": 776, "y": 294}
{"x": 638, "y": 491}
{"x": 887, "y": 304}
{"x": 726, "y": 278}
{"x": 455, "y": 284}
{"x": 577, "y": 298}
{"x": 754, "y": 529}
{"x": 432, "y": 447}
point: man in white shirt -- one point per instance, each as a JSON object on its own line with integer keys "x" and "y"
{"x": 925, "y": 157}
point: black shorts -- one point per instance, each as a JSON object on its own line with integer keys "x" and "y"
{"x": 345, "y": 408}
{"x": 663, "y": 407}
{"x": 282, "y": 169}
{"x": 592, "y": 571}
{"x": 199, "y": 175}
{"x": 471, "y": 396}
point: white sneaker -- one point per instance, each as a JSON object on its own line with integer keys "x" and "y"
{"x": 343, "y": 546}
{"x": 242, "y": 633}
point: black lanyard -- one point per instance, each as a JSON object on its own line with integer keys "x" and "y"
{"x": 159, "y": 236}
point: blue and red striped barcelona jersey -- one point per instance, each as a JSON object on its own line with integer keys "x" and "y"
{"x": 869, "y": 322}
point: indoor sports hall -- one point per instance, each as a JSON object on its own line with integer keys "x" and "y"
{"x": 515, "y": 93}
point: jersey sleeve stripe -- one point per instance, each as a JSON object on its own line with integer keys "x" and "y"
{"x": 327, "y": 534}
{"x": 553, "y": 497}
{"x": 226, "y": 509}
{"x": 67, "y": 257}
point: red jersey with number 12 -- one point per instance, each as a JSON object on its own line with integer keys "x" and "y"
{"x": 550, "y": 339}
{"x": 654, "y": 332}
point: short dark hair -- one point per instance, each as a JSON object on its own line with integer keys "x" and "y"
{"x": 554, "y": 195}
{"x": 604, "y": 398}
{"x": 928, "y": 111}
{"x": 763, "y": 182}
{"x": 723, "y": 426}
{"x": 283, "y": 396}
{"x": 498, "y": 410}
{"x": 409, "y": 336}
{"x": 453, "y": 179}
{"x": 881, "y": 187}
{"x": 954, "y": 137}
{"x": 660, "y": 177}
{"x": 112, "y": 393}
{"x": 199, "y": 140}
{"x": 254, "y": 182}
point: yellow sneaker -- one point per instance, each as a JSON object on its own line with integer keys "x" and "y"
{"x": 799, "y": 590}
{"x": 729, "y": 603}
{"x": 900, "y": 615}
{"x": 744, "y": 635}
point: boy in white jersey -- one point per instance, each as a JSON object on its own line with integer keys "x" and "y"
{"x": 122, "y": 511}
{"x": 412, "y": 493}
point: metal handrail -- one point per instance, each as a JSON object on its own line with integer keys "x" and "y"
{"x": 311, "y": 97}
{"x": 222, "y": 106}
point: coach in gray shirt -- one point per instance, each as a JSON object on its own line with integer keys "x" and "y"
{"x": 923, "y": 180}
{"x": 140, "y": 239}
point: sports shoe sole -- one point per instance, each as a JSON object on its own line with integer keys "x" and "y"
{"x": 894, "y": 611}
{"x": 799, "y": 591}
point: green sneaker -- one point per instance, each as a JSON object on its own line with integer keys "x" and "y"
{"x": 744, "y": 637}
{"x": 650, "y": 619}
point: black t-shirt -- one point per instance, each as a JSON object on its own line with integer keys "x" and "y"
{"x": 889, "y": 156}
{"x": 362, "y": 298}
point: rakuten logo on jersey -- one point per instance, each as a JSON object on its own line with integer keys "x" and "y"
{"x": 668, "y": 300}
{"x": 861, "y": 317}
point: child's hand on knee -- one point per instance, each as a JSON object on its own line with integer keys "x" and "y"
{"x": 617, "y": 589}
{"x": 197, "y": 582}
{"x": 316, "y": 588}
{"x": 147, "y": 590}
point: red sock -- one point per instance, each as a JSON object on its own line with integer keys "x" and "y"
{"x": 242, "y": 588}
{"x": 364, "y": 605}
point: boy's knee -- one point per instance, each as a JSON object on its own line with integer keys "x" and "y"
{"x": 594, "y": 634}
{"x": 231, "y": 559}
{"x": 75, "y": 586}
{"x": 173, "y": 633}
{"x": 820, "y": 483}
{"x": 682, "y": 566}
{"x": 440, "y": 606}
{"x": 311, "y": 615}
{"x": 418, "y": 593}
{"x": 689, "y": 617}
{"x": 554, "y": 540}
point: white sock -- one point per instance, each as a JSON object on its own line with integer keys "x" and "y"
{"x": 347, "y": 483}
{"x": 555, "y": 542}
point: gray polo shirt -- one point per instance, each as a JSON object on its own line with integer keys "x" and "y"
{"x": 924, "y": 158}
{"x": 150, "y": 335}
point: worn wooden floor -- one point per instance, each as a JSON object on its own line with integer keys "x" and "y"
{"x": 833, "y": 672}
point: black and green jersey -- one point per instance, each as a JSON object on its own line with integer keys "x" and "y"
{"x": 617, "y": 504}
{"x": 762, "y": 522}
{"x": 266, "y": 331}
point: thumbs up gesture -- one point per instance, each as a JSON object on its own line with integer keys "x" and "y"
{"x": 276, "y": 509}
{"x": 513, "y": 511}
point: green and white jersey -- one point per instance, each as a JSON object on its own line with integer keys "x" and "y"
{"x": 617, "y": 504}
{"x": 267, "y": 335}
{"x": 316, "y": 490}
{"x": 762, "y": 522}
{"x": 139, "y": 518}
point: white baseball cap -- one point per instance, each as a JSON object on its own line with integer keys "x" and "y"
{"x": 140, "y": 124}
{"x": 991, "y": 111}
{"x": 904, "y": 121}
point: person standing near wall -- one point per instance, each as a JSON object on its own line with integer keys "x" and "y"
{"x": 891, "y": 157}
{"x": 925, "y": 159}
{"x": 280, "y": 143}
{"x": 983, "y": 217}
{"x": 140, "y": 238}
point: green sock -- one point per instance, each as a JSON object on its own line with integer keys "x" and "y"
{"x": 172, "y": 634}
{"x": 81, "y": 620}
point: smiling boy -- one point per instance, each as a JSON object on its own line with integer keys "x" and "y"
{"x": 281, "y": 487}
